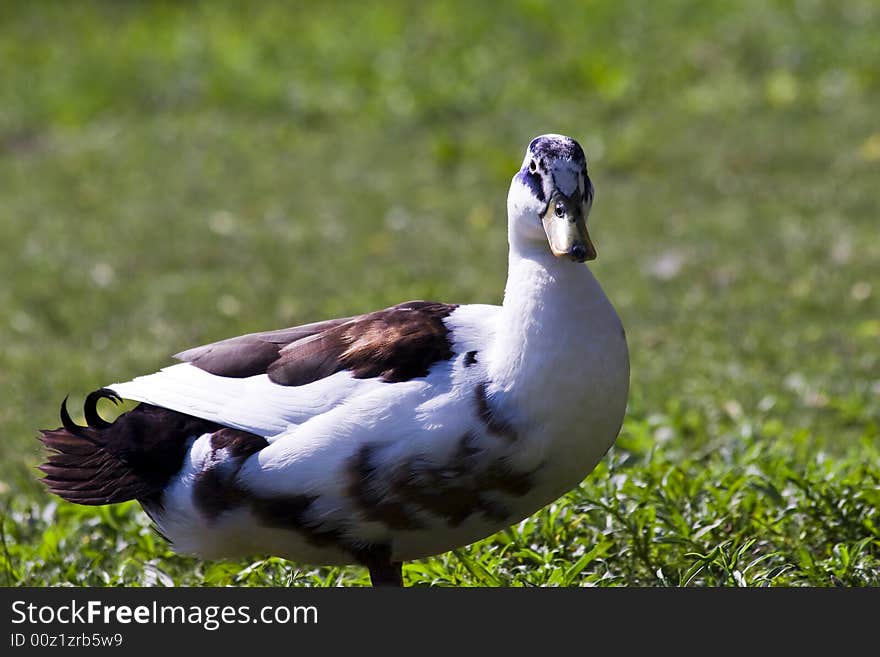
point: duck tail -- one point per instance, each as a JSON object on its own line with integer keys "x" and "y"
{"x": 131, "y": 458}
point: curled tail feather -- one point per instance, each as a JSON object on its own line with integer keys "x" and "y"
{"x": 131, "y": 458}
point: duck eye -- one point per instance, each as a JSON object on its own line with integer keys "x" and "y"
{"x": 532, "y": 166}
{"x": 560, "y": 210}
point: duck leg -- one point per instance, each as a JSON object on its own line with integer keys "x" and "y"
{"x": 387, "y": 574}
{"x": 383, "y": 571}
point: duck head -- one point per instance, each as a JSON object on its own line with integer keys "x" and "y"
{"x": 550, "y": 198}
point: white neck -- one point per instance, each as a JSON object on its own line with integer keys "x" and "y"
{"x": 558, "y": 368}
{"x": 553, "y": 312}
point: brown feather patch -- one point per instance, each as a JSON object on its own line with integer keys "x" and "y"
{"x": 251, "y": 354}
{"x": 215, "y": 489}
{"x": 495, "y": 424}
{"x": 395, "y": 494}
{"x": 395, "y": 344}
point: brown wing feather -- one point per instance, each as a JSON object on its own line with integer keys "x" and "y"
{"x": 251, "y": 354}
{"x": 395, "y": 344}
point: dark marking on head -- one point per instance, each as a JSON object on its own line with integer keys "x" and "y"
{"x": 470, "y": 358}
{"x": 557, "y": 147}
{"x": 496, "y": 425}
{"x": 534, "y": 182}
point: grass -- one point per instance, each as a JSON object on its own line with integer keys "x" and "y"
{"x": 176, "y": 173}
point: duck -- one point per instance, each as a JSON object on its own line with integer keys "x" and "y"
{"x": 383, "y": 437}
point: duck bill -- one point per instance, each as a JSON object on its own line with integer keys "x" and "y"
{"x": 566, "y": 228}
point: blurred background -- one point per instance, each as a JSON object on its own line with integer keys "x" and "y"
{"x": 173, "y": 173}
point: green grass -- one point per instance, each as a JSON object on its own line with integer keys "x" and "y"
{"x": 176, "y": 173}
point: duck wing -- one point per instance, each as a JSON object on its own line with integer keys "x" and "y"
{"x": 266, "y": 382}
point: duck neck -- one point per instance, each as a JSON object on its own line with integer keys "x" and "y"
{"x": 546, "y": 312}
